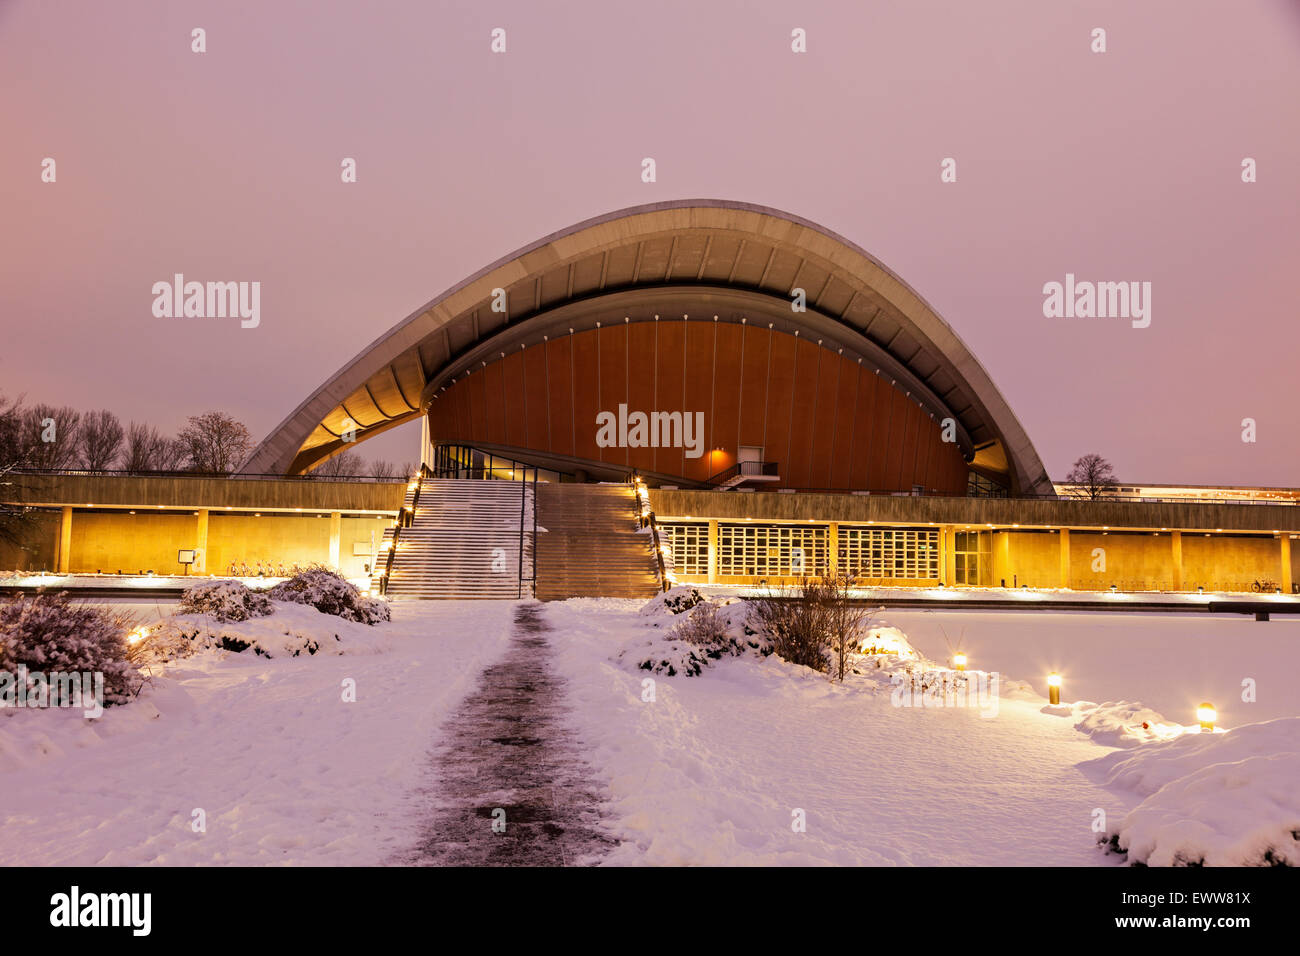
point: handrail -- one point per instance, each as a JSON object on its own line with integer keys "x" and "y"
{"x": 646, "y": 516}
{"x": 402, "y": 521}
{"x": 766, "y": 469}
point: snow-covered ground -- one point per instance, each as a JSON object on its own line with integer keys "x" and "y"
{"x": 284, "y": 770}
{"x": 711, "y": 769}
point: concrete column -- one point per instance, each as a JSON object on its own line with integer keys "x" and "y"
{"x": 1176, "y": 538}
{"x": 833, "y": 548}
{"x": 336, "y": 532}
{"x": 65, "y": 541}
{"x": 1065, "y": 557}
{"x": 201, "y": 543}
{"x": 1285, "y": 540}
{"x": 713, "y": 552}
{"x": 950, "y": 555}
{"x": 947, "y": 564}
{"x": 1001, "y": 558}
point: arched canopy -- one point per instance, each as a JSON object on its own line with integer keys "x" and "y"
{"x": 737, "y": 261}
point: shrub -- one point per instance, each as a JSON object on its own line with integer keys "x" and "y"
{"x": 330, "y": 593}
{"x": 702, "y": 627}
{"x": 47, "y": 633}
{"x": 225, "y": 601}
{"x": 798, "y": 621}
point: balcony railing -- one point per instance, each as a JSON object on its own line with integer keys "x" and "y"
{"x": 743, "y": 470}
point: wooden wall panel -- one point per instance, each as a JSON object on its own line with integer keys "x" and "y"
{"x": 612, "y": 377}
{"x": 753, "y": 385}
{"x": 536, "y": 399}
{"x": 846, "y": 400}
{"x": 559, "y": 378}
{"x": 827, "y": 421}
{"x": 670, "y": 386}
{"x": 641, "y": 384}
{"x": 699, "y": 392}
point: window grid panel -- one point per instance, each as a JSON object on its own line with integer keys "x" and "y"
{"x": 889, "y": 553}
{"x": 757, "y": 550}
{"x": 688, "y": 544}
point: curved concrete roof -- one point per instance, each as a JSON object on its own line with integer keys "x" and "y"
{"x": 722, "y": 256}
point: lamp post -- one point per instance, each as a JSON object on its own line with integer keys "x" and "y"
{"x": 1054, "y": 688}
{"x": 959, "y": 661}
{"x": 1207, "y": 715}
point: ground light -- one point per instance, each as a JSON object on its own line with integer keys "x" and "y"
{"x": 959, "y": 661}
{"x": 1207, "y": 715}
{"x": 1054, "y": 687}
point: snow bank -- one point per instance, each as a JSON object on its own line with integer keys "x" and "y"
{"x": 1118, "y": 723}
{"x": 291, "y": 630}
{"x": 1222, "y": 799}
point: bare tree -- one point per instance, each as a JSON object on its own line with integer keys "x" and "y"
{"x": 50, "y": 436}
{"x": 215, "y": 442}
{"x": 147, "y": 449}
{"x": 1093, "y": 477}
{"x": 14, "y": 450}
{"x": 100, "y": 439}
{"x": 384, "y": 469}
{"x": 344, "y": 463}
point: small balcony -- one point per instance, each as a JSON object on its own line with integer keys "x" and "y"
{"x": 745, "y": 471}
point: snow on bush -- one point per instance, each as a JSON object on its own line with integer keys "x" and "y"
{"x": 1119, "y": 723}
{"x": 225, "y": 601}
{"x": 678, "y": 600}
{"x": 699, "y": 630}
{"x": 1210, "y": 799}
{"x": 330, "y": 593}
{"x": 48, "y": 634}
{"x": 294, "y": 630}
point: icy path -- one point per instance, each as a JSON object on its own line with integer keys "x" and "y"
{"x": 712, "y": 770}
{"x": 283, "y": 769}
{"x": 512, "y": 787}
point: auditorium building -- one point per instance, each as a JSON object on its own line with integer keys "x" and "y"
{"x": 763, "y": 395}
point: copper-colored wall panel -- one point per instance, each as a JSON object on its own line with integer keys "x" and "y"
{"x": 586, "y": 400}
{"x": 559, "y": 378}
{"x": 864, "y": 421}
{"x": 807, "y": 368}
{"x": 827, "y": 421}
{"x": 641, "y": 384}
{"x": 823, "y": 424}
{"x": 699, "y": 392}
{"x": 753, "y": 385}
{"x": 670, "y": 386}
{"x": 515, "y": 398}
{"x": 780, "y": 393}
{"x": 846, "y": 400}
{"x": 882, "y": 407}
{"x": 494, "y": 398}
{"x": 725, "y": 426}
{"x": 536, "y": 398}
{"x": 613, "y": 382}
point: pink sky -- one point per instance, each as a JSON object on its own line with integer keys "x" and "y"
{"x": 225, "y": 166}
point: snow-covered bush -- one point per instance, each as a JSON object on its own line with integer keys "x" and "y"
{"x": 294, "y": 630}
{"x": 798, "y": 624}
{"x": 225, "y": 601}
{"x": 331, "y": 593}
{"x": 48, "y": 634}
{"x": 678, "y": 600}
{"x": 1209, "y": 799}
{"x": 709, "y": 631}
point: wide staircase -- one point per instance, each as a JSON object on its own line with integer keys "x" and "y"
{"x": 589, "y": 544}
{"x": 460, "y": 539}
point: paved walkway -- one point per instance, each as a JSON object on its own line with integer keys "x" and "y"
{"x": 508, "y": 749}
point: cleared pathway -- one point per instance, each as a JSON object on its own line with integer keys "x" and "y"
{"x": 512, "y": 788}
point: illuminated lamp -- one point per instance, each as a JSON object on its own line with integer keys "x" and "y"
{"x": 959, "y": 661}
{"x": 1207, "y": 715}
{"x": 1054, "y": 687}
